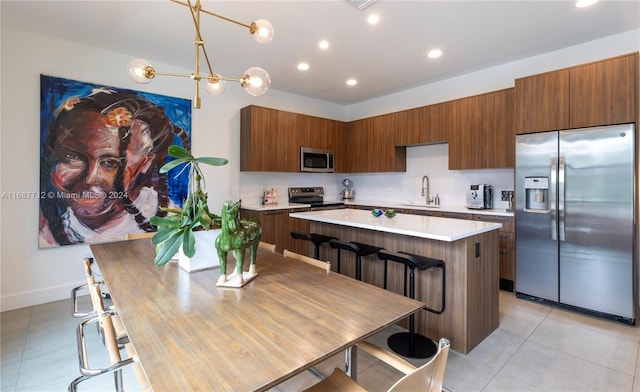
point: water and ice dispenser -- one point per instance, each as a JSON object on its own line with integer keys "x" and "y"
{"x": 537, "y": 194}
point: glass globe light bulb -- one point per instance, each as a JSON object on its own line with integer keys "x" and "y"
{"x": 140, "y": 71}
{"x": 256, "y": 81}
{"x": 215, "y": 87}
{"x": 262, "y": 31}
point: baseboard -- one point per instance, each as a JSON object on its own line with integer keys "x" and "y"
{"x": 36, "y": 297}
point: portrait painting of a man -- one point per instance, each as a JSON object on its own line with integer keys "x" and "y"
{"x": 101, "y": 149}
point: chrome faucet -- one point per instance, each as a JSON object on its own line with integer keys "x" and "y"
{"x": 428, "y": 198}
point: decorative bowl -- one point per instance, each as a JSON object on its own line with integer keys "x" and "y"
{"x": 390, "y": 213}
{"x": 376, "y": 212}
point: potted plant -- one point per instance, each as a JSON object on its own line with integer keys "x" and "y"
{"x": 177, "y": 231}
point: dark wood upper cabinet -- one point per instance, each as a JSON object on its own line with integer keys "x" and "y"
{"x": 600, "y": 93}
{"x": 437, "y": 118}
{"x": 423, "y": 125}
{"x": 604, "y": 92}
{"x": 542, "y": 102}
{"x": 270, "y": 139}
{"x": 482, "y": 131}
{"x": 370, "y": 145}
{"x": 465, "y": 133}
{"x": 265, "y": 136}
{"x": 499, "y": 129}
{"x": 408, "y": 124}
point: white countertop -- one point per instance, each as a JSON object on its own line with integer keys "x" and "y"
{"x": 416, "y": 206}
{"x": 440, "y": 229}
{"x": 384, "y": 205}
{"x": 271, "y": 207}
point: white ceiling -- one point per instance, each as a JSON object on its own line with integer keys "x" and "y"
{"x": 385, "y": 58}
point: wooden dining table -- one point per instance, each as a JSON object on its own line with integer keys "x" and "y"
{"x": 190, "y": 335}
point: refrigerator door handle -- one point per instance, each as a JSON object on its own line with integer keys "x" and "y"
{"x": 561, "y": 197}
{"x": 552, "y": 199}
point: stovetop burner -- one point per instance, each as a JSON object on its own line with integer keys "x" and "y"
{"x": 313, "y": 196}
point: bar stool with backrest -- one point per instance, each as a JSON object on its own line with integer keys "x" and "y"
{"x": 411, "y": 344}
{"x": 317, "y": 239}
{"x": 106, "y": 322}
{"x": 358, "y": 248}
{"x": 97, "y": 303}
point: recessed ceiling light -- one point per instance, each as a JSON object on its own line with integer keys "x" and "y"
{"x": 303, "y": 66}
{"x": 585, "y": 3}
{"x": 373, "y": 19}
{"x": 434, "y": 53}
{"x": 324, "y": 44}
{"x": 352, "y": 82}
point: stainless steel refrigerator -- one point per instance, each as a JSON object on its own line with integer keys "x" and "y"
{"x": 575, "y": 226}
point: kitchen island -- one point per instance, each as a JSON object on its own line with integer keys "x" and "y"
{"x": 469, "y": 249}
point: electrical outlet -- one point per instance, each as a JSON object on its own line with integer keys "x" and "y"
{"x": 506, "y": 194}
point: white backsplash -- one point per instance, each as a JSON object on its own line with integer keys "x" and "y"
{"x": 430, "y": 160}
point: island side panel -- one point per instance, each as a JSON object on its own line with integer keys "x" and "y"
{"x": 471, "y": 311}
{"x": 483, "y": 287}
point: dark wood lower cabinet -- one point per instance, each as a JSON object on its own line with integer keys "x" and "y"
{"x": 276, "y": 228}
{"x": 507, "y": 249}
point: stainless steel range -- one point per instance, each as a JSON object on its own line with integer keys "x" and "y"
{"x": 313, "y": 196}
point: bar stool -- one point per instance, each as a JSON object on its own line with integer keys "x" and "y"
{"x": 358, "y": 248}
{"x": 411, "y": 344}
{"x": 317, "y": 239}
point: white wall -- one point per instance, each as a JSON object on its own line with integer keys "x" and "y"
{"x": 30, "y": 276}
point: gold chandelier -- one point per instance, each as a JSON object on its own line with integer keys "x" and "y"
{"x": 255, "y": 80}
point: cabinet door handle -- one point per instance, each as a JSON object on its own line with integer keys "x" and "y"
{"x": 456, "y": 216}
{"x": 505, "y": 251}
{"x": 491, "y": 219}
{"x": 505, "y": 235}
{"x": 272, "y": 212}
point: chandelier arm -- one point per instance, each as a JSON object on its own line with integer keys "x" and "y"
{"x": 215, "y": 78}
{"x": 214, "y": 14}
{"x": 206, "y": 56}
{"x": 212, "y": 77}
{"x": 182, "y": 75}
{"x": 195, "y": 15}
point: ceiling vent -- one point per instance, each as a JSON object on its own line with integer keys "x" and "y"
{"x": 361, "y": 4}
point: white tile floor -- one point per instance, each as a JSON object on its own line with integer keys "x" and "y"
{"x": 536, "y": 348}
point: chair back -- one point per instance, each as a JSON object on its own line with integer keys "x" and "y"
{"x": 265, "y": 245}
{"x": 87, "y": 271}
{"x": 428, "y": 377}
{"x": 137, "y": 236}
{"x": 326, "y": 265}
{"x": 109, "y": 335}
{"x": 95, "y": 294}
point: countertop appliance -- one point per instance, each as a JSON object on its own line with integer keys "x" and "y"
{"x": 347, "y": 193}
{"x": 574, "y": 214}
{"x": 314, "y": 196}
{"x": 316, "y": 160}
{"x": 480, "y": 197}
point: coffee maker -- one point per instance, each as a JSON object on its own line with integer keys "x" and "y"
{"x": 480, "y": 196}
{"x": 347, "y": 193}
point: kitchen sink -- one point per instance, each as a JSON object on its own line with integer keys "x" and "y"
{"x": 419, "y": 205}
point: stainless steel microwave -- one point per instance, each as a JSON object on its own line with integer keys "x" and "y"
{"x": 316, "y": 160}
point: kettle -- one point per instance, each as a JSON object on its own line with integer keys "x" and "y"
{"x": 347, "y": 192}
